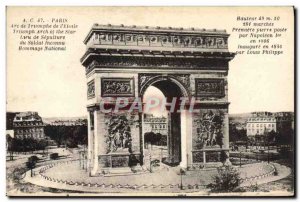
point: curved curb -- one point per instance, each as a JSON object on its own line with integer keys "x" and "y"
{"x": 135, "y": 186}
{"x": 257, "y": 177}
{"x": 119, "y": 186}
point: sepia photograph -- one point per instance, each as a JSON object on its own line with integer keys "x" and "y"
{"x": 150, "y": 101}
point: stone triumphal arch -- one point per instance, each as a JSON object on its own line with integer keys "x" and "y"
{"x": 123, "y": 61}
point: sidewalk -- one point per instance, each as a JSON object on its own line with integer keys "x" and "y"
{"x": 283, "y": 172}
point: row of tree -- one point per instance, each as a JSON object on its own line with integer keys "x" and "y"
{"x": 155, "y": 139}
{"x": 236, "y": 135}
{"x": 25, "y": 145}
{"x": 282, "y": 137}
{"x": 71, "y": 136}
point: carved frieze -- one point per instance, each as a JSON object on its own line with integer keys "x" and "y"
{"x": 117, "y": 87}
{"x": 91, "y": 89}
{"x": 156, "y": 62}
{"x": 174, "y": 40}
{"x": 210, "y": 87}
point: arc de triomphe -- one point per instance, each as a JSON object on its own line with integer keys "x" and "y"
{"x": 123, "y": 61}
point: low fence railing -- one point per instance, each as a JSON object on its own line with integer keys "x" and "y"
{"x": 135, "y": 186}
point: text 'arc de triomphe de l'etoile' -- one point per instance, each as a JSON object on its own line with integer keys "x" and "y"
{"x": 123, "y": 61}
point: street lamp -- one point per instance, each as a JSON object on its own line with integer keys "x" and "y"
{"x": 182, "y": 172}
{"x": 268, "y": 152}
{"x": 31, "y": 165}
{"x": 150, "y": 162}
{"x": 86, "y": 161}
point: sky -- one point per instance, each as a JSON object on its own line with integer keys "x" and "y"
{"x": 54, "y": 83}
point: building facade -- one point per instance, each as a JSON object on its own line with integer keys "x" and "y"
{"x": 28, "y": 125}
{"x": 123, "y": 61}
{"x": 261, "y": 123}
{"x": 155, "y": 124}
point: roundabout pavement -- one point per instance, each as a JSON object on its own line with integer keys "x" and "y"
{"x": 68, "y": 175}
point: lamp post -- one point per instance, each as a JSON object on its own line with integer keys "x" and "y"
{"x": 182, "y": 172}
{"x": 150, "y": 162}
{"x": 31, "y": 165}
{"x": 79, "y": 159}
{"x": 240, "y": 158}
{"x": 84, "y": 158}
{"x": 150, "y": 151}
{"x": 268, "y": 152}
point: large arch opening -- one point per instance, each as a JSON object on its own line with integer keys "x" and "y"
{"x": 168, "y": 89}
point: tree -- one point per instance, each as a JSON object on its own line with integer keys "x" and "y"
{"x": 223, "y": 157}
{"x": 236, "y": 135}
{"x": 30, "y": 164}
{"x": 9, "y": 142}
{"x": 26, "y": 144}
{"x": 52, "y": 132}
{"x": 243, "y": 135}
{"x": 233, "y": 133}
{"x": 285, "y": 136}
{"x": 226, "y": 180}
{"x": 61, "y": 135}
{"x": 80, "y": 135}
{"x": 164, "y": 140}
{"x": 271, "y": 136}
{"x": 42, "y": 144}
{"x": 69, "y": 135}
{"x": 158, "y": 137}
{"x": 149, "y": 138}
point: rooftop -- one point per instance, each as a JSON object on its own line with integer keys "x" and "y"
{"x": 28, "y": 116}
